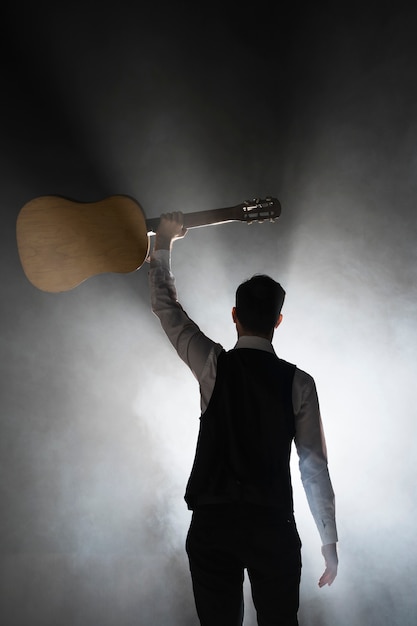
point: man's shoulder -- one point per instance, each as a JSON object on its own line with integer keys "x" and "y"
{"x": 303, "y": 378}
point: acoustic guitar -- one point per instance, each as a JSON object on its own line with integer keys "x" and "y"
{"x": 62, "y": 242}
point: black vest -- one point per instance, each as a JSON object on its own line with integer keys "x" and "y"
{"x": 244, "y": 443}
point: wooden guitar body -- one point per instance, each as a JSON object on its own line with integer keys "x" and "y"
{"x": 61, "y": 242}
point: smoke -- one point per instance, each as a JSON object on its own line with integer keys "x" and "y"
{"x": 99, "y": 417}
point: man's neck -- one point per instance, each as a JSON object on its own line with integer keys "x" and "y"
{"x": 245, "y": 333}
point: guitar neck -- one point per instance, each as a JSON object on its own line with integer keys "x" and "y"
{"x": 250, "y": 211}
{"x": 199, "y": 219}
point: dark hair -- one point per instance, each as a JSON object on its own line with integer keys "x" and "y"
{"x": 259, "y": 302}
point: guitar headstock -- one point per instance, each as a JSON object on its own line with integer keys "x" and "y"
{"x": 261, "y": 209}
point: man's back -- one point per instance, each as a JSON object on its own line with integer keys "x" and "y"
{"x": 246, "y": 433}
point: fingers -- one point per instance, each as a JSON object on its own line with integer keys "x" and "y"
{"x": 170, "y": 227}
{"x": 172, "y": 224}
{"x": 328, "y": 577}
{"x": 329, "y": 552}
{"x": 174, "y": 216}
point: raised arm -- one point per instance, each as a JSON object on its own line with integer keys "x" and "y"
{"x": 192, "y": 345}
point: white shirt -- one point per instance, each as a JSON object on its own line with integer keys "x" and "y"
{"x": 200, "y": 354}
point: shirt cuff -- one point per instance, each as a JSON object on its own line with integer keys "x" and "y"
{"x": 161, "y": 257}
{"x": 329, "y": 534}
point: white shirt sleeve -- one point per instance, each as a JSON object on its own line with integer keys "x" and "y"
{"x": 311, "y": 448}
{"x": 192, "y": 345}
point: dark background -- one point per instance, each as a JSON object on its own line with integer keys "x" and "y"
{"x": 192, "y": 107}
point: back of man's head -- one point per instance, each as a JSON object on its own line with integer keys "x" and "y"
{"x": 259, "y": 302}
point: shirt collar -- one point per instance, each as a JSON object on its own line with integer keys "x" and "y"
{"x": 256, "y": 343}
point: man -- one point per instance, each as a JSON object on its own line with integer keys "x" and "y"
{"x": 253, "y": 406}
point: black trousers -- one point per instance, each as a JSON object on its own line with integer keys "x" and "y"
{"x": 223, "y": 541}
